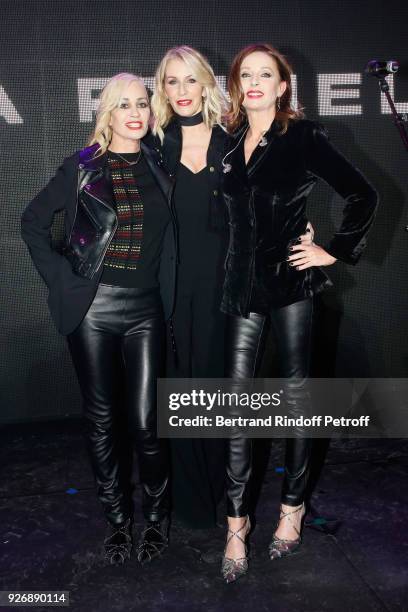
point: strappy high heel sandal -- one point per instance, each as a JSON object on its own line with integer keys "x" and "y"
{"x": 279, "y": 547}
{"x": 232, "y": 569}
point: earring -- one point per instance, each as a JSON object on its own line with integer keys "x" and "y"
{"x": 278, "y": 103}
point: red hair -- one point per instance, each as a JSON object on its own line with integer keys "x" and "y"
{"x": 237, "y": 114}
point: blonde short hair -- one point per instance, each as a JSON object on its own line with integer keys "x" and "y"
{"x": 214, "y": 102}
{"x": 108, "y": 101}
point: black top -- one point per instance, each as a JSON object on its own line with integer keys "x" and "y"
{"x": 199, "y": 243}
{"x": 154, "y": 221}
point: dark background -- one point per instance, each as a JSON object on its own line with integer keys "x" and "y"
{"x": 47, "y": 45}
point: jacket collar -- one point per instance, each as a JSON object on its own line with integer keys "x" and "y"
{"x": 94, "y": 174}
{"x": 172, "y": 145}
{"x": 88, "y": 161}
{"x": 259, "y": 152}
{"x": 162, "y": 178}
{"x": 216, "y": 148}
{"x": 238, "y": 157}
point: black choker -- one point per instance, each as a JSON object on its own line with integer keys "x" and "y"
{"x": 194, "y": 120}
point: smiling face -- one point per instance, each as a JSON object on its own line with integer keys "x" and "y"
{"x": 260, "y": 82}
{"x": 130, "y": 119}
{"x": 184, "y": 92}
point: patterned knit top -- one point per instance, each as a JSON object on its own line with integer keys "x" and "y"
{"x": 133, "y": 256}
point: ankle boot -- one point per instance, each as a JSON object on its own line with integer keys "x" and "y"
{"x": 118, "y": 543}
{"x": 153, "y": 540}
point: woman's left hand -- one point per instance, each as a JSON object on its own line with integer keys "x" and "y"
{"x": 306, "y": 256}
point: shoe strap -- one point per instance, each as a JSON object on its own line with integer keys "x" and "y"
{"x": 235, "y": 533}
{"x": 154, "y": 527}
{"x": 123, "y": 530}
{"x": 287, "y": 514}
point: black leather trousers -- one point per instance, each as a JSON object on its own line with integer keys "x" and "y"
{"x": 292, "y": 326}
{"x": 121, "y": 342}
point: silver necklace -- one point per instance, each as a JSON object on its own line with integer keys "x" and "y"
{"x": 227, "y": 167}
{"x": 129, "y": 163}
{"x": 263, "y": 142}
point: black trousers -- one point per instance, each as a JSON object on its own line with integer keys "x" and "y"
{"x": 197, "y": 474}
{"x": 292, "y": 326}
{"x": 121, "y": 340}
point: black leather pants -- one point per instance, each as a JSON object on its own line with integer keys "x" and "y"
{"x": 121, "y": 341}
{"x": 292, "y": 326}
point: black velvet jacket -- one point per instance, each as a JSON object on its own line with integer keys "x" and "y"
{"x": 70, "y": 294}
{"x": 266, "y": 201}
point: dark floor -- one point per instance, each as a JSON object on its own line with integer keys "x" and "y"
{"x": 354, "y": 557}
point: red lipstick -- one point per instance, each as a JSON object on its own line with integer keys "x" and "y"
{"x": 254, "y": 93}
{"x": 134, "y": 125}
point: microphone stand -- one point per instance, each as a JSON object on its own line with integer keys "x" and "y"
{"x": 399, "y": 118}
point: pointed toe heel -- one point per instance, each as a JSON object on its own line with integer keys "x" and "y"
{"x": 233, "y": 569}
{"x": 278, "y": 547}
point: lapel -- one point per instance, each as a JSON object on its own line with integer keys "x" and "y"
{"x": 259, "y": 152}
{"x": 165, "y": 183}
{"x": 173, "y": 142}
{"x": 93, "y": 176}
{"x": 216, "y": 147}
{"x": 172, "y": 145}
{"x": 237, "y": 158}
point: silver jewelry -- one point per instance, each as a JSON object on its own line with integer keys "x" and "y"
{"x": 263, "y": 142}
{"x": 278, "y": 103}
{"x": 129, "y": 163}
{"x": 227, "y": 167}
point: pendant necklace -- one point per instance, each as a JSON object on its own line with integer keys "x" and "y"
{"x": 129, "y": 163}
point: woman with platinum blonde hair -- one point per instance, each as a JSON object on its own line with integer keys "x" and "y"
{"x": 213, "y": 103}
{"x": 110, "y": 292}
{"x": 111, "y": 94}
{"x": 188, "y": 106}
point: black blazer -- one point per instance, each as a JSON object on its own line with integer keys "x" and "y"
{"x": 70, "y": 295}
{"x": 170, "y": 151}
{"x": 266, "y": 202}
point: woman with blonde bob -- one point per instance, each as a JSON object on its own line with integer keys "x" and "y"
{"x": 188, "y": 107}
{"x": 110, "y": 291}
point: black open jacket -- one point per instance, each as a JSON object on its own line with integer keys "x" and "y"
{"x": 83, "y": 176}
{"x": 170, "y": 152}
{"x": 266, "y": 201}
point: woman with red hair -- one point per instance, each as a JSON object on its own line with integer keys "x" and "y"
{"x": 275, "y": 159}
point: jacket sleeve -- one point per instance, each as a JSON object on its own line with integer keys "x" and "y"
{"x": 326, "y": 162}
{"x": 37, "y": 219}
